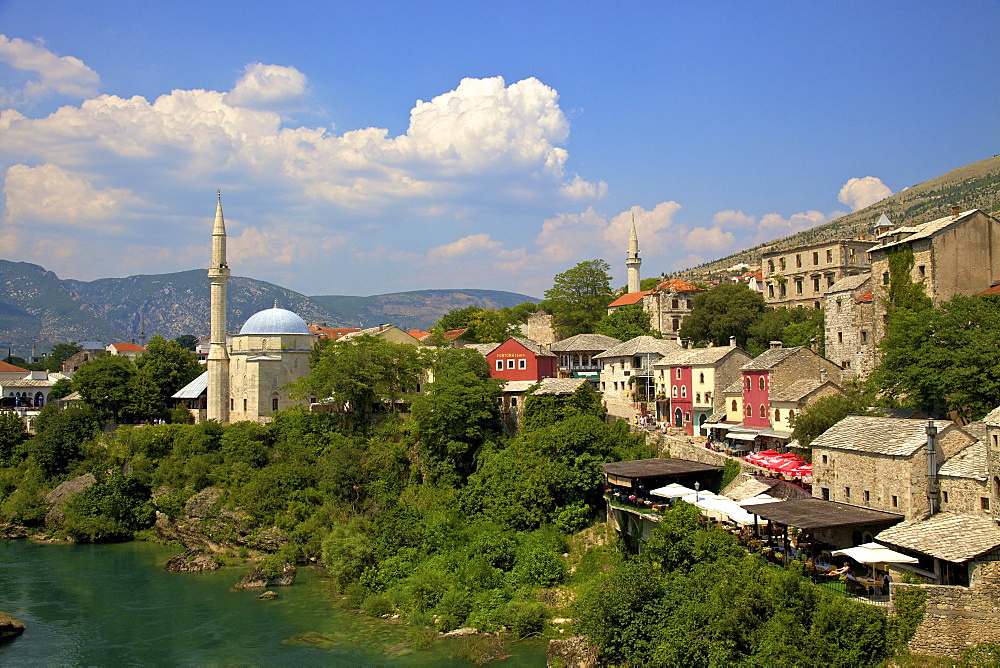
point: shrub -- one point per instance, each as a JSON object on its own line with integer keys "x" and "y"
{"x": 453, "y": 609}
{"x": 377, "y": 605}
{"x": 355, "y": 595}
{"x": 113, "y": 509}
{"x": 524, "y": 618}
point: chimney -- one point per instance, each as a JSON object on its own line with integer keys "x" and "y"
{"x": 732, "y": 341}
{"x": 822, "y": 375}
{"x": 933, "y": 503}
{"x": 775, "y": 344}
{"x": 955, "y": 210}
{"x": 814, "y": 345}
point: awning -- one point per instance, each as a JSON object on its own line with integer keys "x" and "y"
{"x": 589, "y": 375}
{"x": 741, "y": 435}
{"x": 715, "y": 425}
{"x": 873, "y": 553}
{"x": 758, "y": 500}
{"x": 776, "y": 434}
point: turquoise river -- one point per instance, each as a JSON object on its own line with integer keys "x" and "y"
{"x": 113, "y": 605}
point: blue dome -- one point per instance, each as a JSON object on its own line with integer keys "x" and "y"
{"x": 275, "y": 321}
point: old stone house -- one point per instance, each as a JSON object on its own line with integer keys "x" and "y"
{"x": 848, "y": 317}
{"x": 801, "y": 276}
{"x": 627, "y": 373}
{"x": 576, "y": 355}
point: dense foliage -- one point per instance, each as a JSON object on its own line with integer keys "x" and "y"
{"x": 819, "y": 416}
{"x": 486, "y": 325}
{"x": 727, "y": 310}
{"x": 626, "y": 322}
{"x": 579, "y": 297}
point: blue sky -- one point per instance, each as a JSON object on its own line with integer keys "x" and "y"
{"x": 374, "y": 147}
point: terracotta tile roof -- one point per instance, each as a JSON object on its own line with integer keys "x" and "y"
{"x": 332, "y": 332}
{"x": 417, "y": 333}
{"x": 128, "y": 348}
{"x": 886, "y": 436}
{"x": 677, "y": 285}
{"x": 992, "y": 290}
{"x": 453, "y": 334}
{"x": 630, "y": 298}
{"x": 5, "y": 367}
{"x": 949, "y": 536}
{"x": 867, "y": 297}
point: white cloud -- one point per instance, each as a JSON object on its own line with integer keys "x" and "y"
{"x": 731, "y": 218}
{"x": 48, "y": 193}
{"x": 268, "y": 87}
{"x": 48, "y": 73}
{"x": 580, "y": 189}
{"x": 709, "y": 239}
{"x": 474, "y": 243}
{"x": 859, "y": 193}
{"x": 773, "y": 225}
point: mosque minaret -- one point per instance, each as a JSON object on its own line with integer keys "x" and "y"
{"x": 218, "y": 353}
{"x": 632, "y": 261}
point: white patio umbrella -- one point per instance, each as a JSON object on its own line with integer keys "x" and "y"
{"x": 873, "y": 553}
{"x": 672, "y": 490}
{"x": 758, "y": 500}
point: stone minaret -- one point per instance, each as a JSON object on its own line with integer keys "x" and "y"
{"x": 218, "y": 353}
{"x": 633, "y": 261}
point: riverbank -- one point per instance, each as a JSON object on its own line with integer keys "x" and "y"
{"x": 114, "y": 605}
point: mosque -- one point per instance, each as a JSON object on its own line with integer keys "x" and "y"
{"x": 245, "y": 372}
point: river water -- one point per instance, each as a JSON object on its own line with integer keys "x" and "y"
{"x": 110, "y": 605}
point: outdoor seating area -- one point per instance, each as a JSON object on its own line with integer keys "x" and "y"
{"x": 788, "y": 464}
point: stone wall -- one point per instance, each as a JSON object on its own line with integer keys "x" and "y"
{"x": 541, "y": 329}
{"x": 959, "y": 617}
{"x": 850, "y": 334}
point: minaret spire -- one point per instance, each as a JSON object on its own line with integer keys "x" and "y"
{"x": 632, "y": 262}
{"x": 218, "y": 352}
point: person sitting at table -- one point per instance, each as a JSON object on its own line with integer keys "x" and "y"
{"x": 845, "y": 570}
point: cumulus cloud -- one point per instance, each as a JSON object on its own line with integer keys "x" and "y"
{"x": 51, "y": 194}
{"x": 859, "y": 193}
{"x": 271, "y": 87}
{"x": 47, "y": 73}
{"x": 580, "y": 189}
{"x": 735, "y": 219}
{"x": 709, "y": 239}
{"x": 471, "y": 244}
{"x": 773, "y": 225}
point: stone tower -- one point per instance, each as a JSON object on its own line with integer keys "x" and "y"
{"x": 218, "y": 353}
{"x": 633, "y": 261}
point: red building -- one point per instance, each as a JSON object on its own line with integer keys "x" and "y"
{"x": 521, "y": 359}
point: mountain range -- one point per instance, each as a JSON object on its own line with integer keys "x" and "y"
{"x": 38, "y": 306}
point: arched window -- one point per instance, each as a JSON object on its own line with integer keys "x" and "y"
{"x": 684, "y": 390}
{"x": 747, "y": 410}
{"x": 763, "y": 411}
{"x": 673, "y": 392}
{"x": 746, "y": 382}
{"x": 734, "y": 406}
{"x": 701, "y": 378}
{"x": 760, "y": 383}
{"x": 791, "y": 414}
{"x": 777, "y": 415}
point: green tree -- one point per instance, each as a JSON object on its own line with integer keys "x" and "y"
{"x": 792, "y": 326}
{"x": 112, "y": 509}
{"x": 54, "y": 360}
{"x": 60, "y": 435}
{"x": 625, "y": 322}
{"x": 491, "y": 326}
{"x": 103, "y": 383}
{"x": 809, "y": 423}
{"x": 169, "y": 365}
{"x": 187, "y": 341}
{"x": 360, "y": 375}
{"x": 579, "y": 297}
{"x": 727, "y": 310}
{"x": 12, "y": 434}
{"x": 61, "y": 388}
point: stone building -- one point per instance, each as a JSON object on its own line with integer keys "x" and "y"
{"x": 540, "y": 328}
{"x": 955, "y": 255}
{"x": 576, "y": 355}
{"x": 883, "y": 463}
{"x": 848, "y": 318}
{"x": 627, "y": 373}
{"x": 801, "y": 276}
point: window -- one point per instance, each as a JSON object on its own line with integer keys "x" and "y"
{"x": 840, "y": 337}
{"x": 815, "y": 283}
{"x": 734, "y": 406}
{"x": 864, "y": 337}
{"x": 760, "y": 383}
{"x": 839, "y": 304}
{"x": 274, "y": 403}
{"x": 770, "y": 266}
{"x": 816, "y": 305}
{"x": 746, "y": 383}
{"x": 782, "y": 291}
{"x": 684, "y": 390}
{"x": 697, "y": 398}
{"x": 829, "y": 255}
{"x": 798, "y": 286}
{"x": 781, "y": 262}
{"x": 770, "y": 290}
{"x": 885, "y": 278}
{"x": 868, "y": 497}
{"x": 921, "y": 272}
{"x": 763, "y": 411}
{"x": 816, "y": 257}
{"x": 825, "y": 493}
{"x": 687, "y": 417}
{"x": 232, "y": 404}
{"x": 678, "y": 373}
{"x": 829, "y": 280}
{"x": 690, "y": 304}
{"x": 945, "y": 496}
{"x": 499, "y": 365}
{"x": 847, "y": 492}
{"x": 244, "y": 405}
{"x": 674, "y": 303}
{"x": 701, "y": 378}
{"x": 777, "y": 415}
{"x": 604, "y": 386}
{"x": 826, "y": 459}
{"x": 522, "y": 363}
{"x": 747, "y": 410}
{"x": 851, "y": 256}
{"x": 636, "y": 362}
{"x": 675, "y": 324}
{"x": 510, "y": 364}
{"x": 996, "y": 442}
{"x": 846, "y": 364}
{"x": 513, "y": 402}
{"x": 895, "y": 501}
{"x": 673, "y": 392}
{"x": 798, "y": 260}
{"x": 791, "y": 414}
{"x": 984, "y": 502}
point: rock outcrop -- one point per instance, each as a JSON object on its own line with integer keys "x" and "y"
{"x": 257, "y": 578}
{"x": 63, "y": 492}
{"x": 575, "y": 652}
{"x": 10, "y": 627}
{"x": 11, "y": 531}
{"x": 194, "y": 560}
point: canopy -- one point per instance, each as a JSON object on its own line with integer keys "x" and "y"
{"x": 672, "y": 490}
{"x": 757, "y": 500}
{"x": 740, "y": 435}
{"x": 873, "y": 553}
{"x": 719, "y": 507}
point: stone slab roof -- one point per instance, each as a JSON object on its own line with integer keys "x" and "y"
{"x": 814, "y": 514}
{"x": 533, "y": 346}
{"x": 655, "y": 468}
{"x": 992, "y": 418}
{"x": 483, "y": 349}
{"x": 799, "y": 389}
{"x": 950, "y": 536}
{"x": 518, "y": 385}
{"x": 886, "y": 436}
{"x": 26, "y": 382}
{"x": 585, "y": 342}
{"x": 641, "y": 345}
{"x": 848, "y": 283}
{"x": 695, "y": 356}
{"x": 969, "y": 462}
{"x": 736, "y": 387}
{"x": 748, "y": 489}
{"x": 560, "y": 386}
{"x": 924, "y": 231}
{"x": 770, "y": 358}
